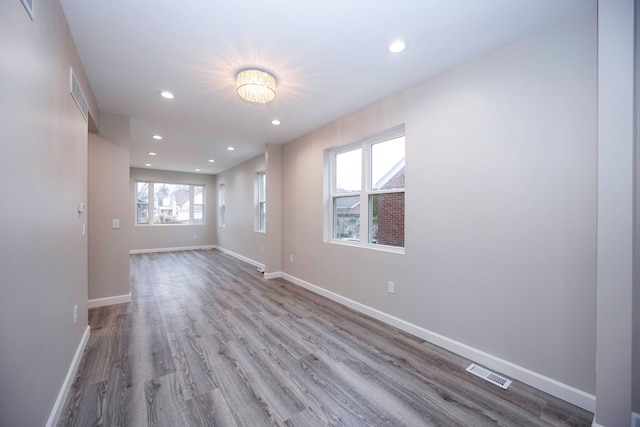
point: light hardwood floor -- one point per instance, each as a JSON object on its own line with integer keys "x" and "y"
{"x": 206, "y": 341}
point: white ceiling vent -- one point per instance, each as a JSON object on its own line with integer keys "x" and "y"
{"x": 78, "y": 96}
{"x": 489, "y": 376}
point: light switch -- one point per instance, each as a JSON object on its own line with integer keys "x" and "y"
{"x": 115, "y": 223}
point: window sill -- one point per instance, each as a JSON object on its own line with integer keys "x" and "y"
{"x": 382, "y": 248}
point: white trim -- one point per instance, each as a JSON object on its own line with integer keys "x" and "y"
{"x": 275, "y": 275}
{"x": 118, "y": 299}
{"x": 553, "y": 387}
{"x": 241, "y": 257}
{"x": 180, "y": 248}
{"x": 68, "y": 381}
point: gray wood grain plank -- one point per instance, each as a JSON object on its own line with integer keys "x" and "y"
{"x": 207, "y": 341}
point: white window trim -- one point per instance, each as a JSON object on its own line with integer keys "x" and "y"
{"x": 330, "y": 185}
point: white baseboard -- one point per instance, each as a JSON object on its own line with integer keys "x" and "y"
{"x": 68, "y": 381}
{"x": 548, "y": 385}
{"x": 119, "y": 299}
{"x": 275, "y": 275}
{"x": 179, "y": 248}
{"x": 241, "y": 257}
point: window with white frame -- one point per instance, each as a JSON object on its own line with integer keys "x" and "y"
{"x": 222, "y": 207}
{"x": 260, "y": 191}
{"x": 366, "y": 188}
{"x": 161, "y": 203}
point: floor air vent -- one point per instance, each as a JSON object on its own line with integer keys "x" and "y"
{"x": 489, "y": 376}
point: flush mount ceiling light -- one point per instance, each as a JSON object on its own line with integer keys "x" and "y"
{"x": 256, "y": 86}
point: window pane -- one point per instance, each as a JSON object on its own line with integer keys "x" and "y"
{"x": 221, "y": 205}
{"x": 349, "y": 171}
{"x": 142, "y": 188}
{"x": 142, "y": 203}
{"x": 171, "y": 203}
{"x": 387, "y": 164}
{"x": 263, "y": 216}
{"x": 386, "y": 219}
{"x": 346, "y": 218}
{"x": 198, "y": 217}
{"x": 198, "y": 204}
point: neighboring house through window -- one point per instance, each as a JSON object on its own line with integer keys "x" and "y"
{"x": 367, "y": 209}
{"x": 165, "y": 203}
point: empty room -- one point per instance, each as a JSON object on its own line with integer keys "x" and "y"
{"x": 364, "y": 213}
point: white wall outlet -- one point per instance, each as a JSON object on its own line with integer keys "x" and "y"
{"x": 290, "y": 257}
{"x": 115, "y": 223}
{"x": 75, "y": 314}
{"x": 391, "y": 287}
{"x": 195, "y": 236}
{"x": 80, "y": 207}
{"x": 261, "y": 248}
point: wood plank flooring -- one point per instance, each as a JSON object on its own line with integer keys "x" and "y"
{"x": 206, "y": 341}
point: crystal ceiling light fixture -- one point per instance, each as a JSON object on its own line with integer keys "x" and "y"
{"x": 256, "y": 86}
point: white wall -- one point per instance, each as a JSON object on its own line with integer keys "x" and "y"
{"x": 500, "y": 206}
{"x": 108, "y": 200}
{"x": 43, "y": 171}
{"x": 239, "y": 235}
{"x": 173, "y": 236}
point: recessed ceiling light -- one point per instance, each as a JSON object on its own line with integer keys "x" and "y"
{"x": 197, "y": 170}
{"x": 230, "y": 148}
{"x": 157, "y": 137}
{"x": 275, "y": 122}
{"x": 397, "y": 46}
{"x": 211, "y": 160}
{"x": 167, "y": 95}
{"x": 147, "y": 164}
{"x": 151, "y": 153}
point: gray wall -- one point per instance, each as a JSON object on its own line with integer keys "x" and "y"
{"x": 273, "y": 241}
{"x": 239, "y": 235}
{"x": 172, "y": 236}
{"x": 109, "y": 199}
{"x": 500, "y": 205}
{"x": 43, "y": 171}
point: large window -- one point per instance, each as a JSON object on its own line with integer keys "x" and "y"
{"x": 366, "y": 183}
{"x": 260, "y": 202}
{"x": 165, "y": 203}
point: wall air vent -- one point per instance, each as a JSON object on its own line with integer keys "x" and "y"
{"x": 78, "y": 96}
{"x": 489, "y": 376}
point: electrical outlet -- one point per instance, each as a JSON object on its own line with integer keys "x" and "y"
{"x": 391, "y": 287}
{"x": 195, "y": 236}
{"x": 290, "y": 257}
{"x": 261, "y": 248}
{"x": 75, "y": 314}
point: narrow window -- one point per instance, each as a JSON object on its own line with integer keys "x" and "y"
{"x": 222, "y": 208}
{"x": 261, "y": 202}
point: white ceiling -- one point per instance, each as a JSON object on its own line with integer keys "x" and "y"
{"x": 329, "y": 58}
